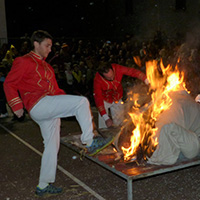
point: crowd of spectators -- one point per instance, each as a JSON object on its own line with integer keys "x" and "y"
{"x": 76, "y": 61}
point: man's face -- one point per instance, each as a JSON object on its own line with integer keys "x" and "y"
{"x": 44, "y": 48}
{"x": 110, "y": 75}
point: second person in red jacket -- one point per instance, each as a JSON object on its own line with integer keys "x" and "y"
{"x": 108, "y": 92}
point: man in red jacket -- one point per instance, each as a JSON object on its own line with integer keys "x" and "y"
{"x": 31, "y": 83}
{"x": 108, "y": 92}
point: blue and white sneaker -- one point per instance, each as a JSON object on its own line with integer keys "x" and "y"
{"x": 98, "y": 144}
{"x": 47, "y": 191}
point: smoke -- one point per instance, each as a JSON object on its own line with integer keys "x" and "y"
{"x": 189, "y": 54}
{"x": 137, "y": 96}
{"x": 193, "y": 35}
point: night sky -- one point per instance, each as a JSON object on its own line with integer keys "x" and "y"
{"x": 69, "y": 18}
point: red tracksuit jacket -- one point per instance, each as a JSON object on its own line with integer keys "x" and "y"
{"x": 29, "y": 80}
{"x": 111, "y": 91}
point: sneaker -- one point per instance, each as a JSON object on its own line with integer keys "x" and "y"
{"x": 98, "y": 144}
{"x": 4, "y": 115}
{"x": 49, "y": 190}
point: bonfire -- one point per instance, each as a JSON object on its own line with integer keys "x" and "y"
{"x": 138, "y": 139}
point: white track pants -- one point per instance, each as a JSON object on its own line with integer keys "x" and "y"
{"x": 47, "y": 113}
{"x": 116, "y": 111}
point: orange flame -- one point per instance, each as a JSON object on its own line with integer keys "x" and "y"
{"x": 137, "y": 61}
{"x": 162, "y": 80}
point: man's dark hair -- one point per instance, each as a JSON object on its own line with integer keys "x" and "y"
{"x": 39, "y": 36}
{"x": 104, "y": 67}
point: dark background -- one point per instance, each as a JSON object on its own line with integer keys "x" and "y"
{"x": 76, "y": 18}
{"x": 105, "y": 19}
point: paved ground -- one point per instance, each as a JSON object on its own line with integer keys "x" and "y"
{"x": 20, "y": 147}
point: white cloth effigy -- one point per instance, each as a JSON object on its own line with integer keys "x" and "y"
{"x": 178, "y": 130}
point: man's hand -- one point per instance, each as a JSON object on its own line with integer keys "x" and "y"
{"x": 109, "y": 122}
{"x": 146, "y": 81}
{"x": 19, "y": 113}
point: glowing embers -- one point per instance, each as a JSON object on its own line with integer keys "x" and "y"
{"x": 138, "y": 137}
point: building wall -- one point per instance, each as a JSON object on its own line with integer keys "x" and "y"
{"x": 3, "y": 28}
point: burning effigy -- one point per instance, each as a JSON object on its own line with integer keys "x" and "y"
{"x": 163, "y": 125}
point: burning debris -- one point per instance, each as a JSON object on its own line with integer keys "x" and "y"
{"x": 138, "y": 138}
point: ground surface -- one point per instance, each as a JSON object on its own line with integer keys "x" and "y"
{"x": 20, "y": 147}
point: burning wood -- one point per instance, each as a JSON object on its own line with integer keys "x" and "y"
{"x": 138, "y": 138}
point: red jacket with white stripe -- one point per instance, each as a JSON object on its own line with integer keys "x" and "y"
{"x": 30, "y": 79}
{"x": 111, "y": 91}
